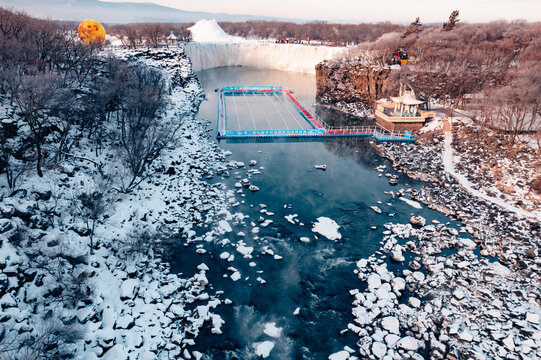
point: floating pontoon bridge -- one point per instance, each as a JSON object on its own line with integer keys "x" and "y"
{"x": 272, "y": 112}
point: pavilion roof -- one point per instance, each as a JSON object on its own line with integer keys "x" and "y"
{"x": 407, "y": 99}
{"x": 172, "y": 36}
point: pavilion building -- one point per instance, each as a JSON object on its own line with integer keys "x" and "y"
{"x": 403, "y": 113}
{"x": 172, "y": 39}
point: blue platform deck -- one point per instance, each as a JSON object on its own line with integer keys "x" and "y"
{"x": 271, "y": 112}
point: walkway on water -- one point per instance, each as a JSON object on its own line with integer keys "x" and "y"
{"x": 316, "y": 129}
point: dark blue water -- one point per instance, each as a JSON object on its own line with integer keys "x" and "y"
{"x": 315, "y": 277}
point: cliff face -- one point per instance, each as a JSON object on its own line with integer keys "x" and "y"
{"x": 350, "y": 82}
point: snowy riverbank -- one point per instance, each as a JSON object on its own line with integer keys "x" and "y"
{"x": 459, "y": 298}
{"x": 121, "y": 302}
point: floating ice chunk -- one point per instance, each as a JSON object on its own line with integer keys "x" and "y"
{"x": 341, "y": 355}
{"x": 327, "y": 227}
{"x": 291, "y": 218}
{"x": 266, "y": 223}
{"x": 376, "y": 209}
{"x": 217, "y": 323}
{"x": 224, "y": 255}
{"x": 203, "y": 267}
{"x": 304, "y": 239}
{"x": 263, "y": 349}
{"x": 297, "y": 311}
{"x": 235, "y": 276}
{"x": 272, "y": 330}
{"x": 223, "y": 227}
{"x": 246, "y": 251}
{"x": 410, "y": 202}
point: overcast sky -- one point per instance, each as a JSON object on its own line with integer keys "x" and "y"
{"x": 367, "y": 10}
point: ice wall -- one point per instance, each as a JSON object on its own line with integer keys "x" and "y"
{"x": 289, "y": 57}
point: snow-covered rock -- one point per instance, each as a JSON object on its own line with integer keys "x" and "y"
{"x": 391, "y": 324}
{"x": 129, "y": 289}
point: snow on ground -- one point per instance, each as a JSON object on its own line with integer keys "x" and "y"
{"x": 208, "y": 31}
{"x": 135, "y": 305}
{"x": 433, "y": 125}
{"x": 448, "y": 162}
{"x": 533, "y": 141}
{"x": 114, "y": 41}
{"x": 327, "y": 227}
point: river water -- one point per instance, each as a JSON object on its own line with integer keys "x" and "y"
{"x": 316, "y": 276}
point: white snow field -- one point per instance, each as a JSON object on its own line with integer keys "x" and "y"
{"x": 212, "y": 47}
{"x": 208, "y": 31}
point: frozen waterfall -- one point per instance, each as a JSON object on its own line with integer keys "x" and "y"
{"x": 289, "y": 57}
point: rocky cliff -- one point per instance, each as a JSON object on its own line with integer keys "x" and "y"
{"x": 350, "y": 82}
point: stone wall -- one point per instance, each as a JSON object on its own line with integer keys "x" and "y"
{"x": 350, "y": 82}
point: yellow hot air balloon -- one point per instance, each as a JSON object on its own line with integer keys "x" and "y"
{"x": 91, "y": 32}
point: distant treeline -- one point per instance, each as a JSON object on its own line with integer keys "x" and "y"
{"x": 334, "y": 34}
{"x": 150, "y": 34}
{"x": 338, "y": 34}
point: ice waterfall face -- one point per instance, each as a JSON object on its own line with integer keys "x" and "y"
{"x": 289, "y": 57}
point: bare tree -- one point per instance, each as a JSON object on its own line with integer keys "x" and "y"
{"x": 143, "y": 135}
{"x": 37, "y": 96}
{"x": 13, "y": 168}
{"x": 153, "y": 34}
{"x": 514, "y": 108}
{"x": 76, "y": 60}
{"x": 92, "y": 207}
{"x": 131, "y": 36}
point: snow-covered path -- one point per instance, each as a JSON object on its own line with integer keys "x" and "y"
{"x": 448, "y": 162}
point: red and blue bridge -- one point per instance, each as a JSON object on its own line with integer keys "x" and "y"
{"x": 273, "y": 112}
